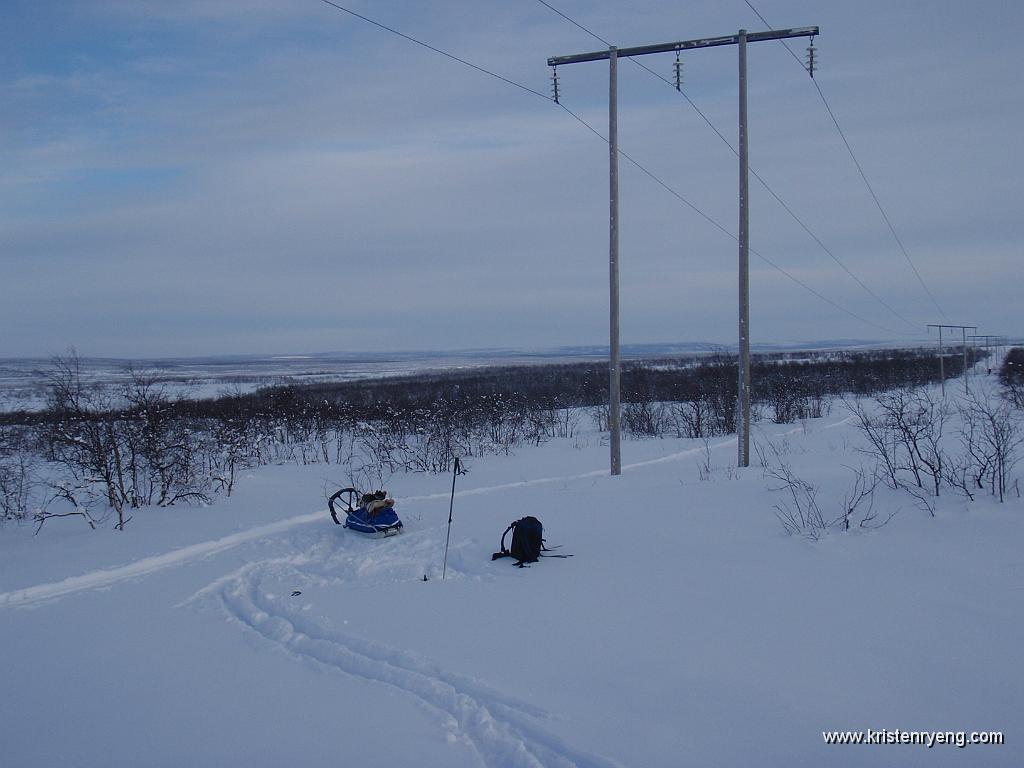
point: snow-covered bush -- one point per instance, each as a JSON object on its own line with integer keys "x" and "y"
{"x": 799, "y": 511}
{"x": 906, "y": 433}
{"x": 992, "y": 437}
{"x": 130, "y": 448}
{"x": 118, "y": 449}
{"x": 18, "y": 481}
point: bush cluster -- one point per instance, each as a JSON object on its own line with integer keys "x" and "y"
{"x": 94, "y": 449}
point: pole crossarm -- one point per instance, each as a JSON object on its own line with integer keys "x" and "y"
{"x": 958, "y": 327}
{"x": 682, "y": 45}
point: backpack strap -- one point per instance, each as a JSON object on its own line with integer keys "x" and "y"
{"x": 544, "y": 548}
{"x": 510, "y": 527}
{"x": 504, "y": 552}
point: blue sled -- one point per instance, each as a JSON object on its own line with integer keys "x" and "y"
{"x": 384, "y": 523}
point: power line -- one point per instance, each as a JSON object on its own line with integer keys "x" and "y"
{"x": 430, "y": 47}
{"x": 647, "y": 172}
{"x": 722, "y": 228}
{"x": 573, "y": 21}
{"x": 803, "y": 225}
{"x": 860, "y": 169}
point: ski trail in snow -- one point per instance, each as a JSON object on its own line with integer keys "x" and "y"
{"x": 502, "y": 731}
{"x": 106, "y": 577}
{"x": 847, "y": 420}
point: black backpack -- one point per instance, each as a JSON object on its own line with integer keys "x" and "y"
{"x": 527, "y": 542}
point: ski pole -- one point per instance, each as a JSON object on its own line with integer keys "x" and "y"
{"x": 451, "y": 505}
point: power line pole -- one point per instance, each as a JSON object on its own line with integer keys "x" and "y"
{"x": 988, "y": 341}
{"x": 942, "y": 371}
{"x": 614, "y": 424}
{"x": 613, "y": 54}
{"x": 743, "y": 360}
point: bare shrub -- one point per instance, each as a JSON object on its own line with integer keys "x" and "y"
{"x": 71, "y": 507}
{"x": 704, "y": 462}
{"x": 84, "y": 433}
{"x": 881, "y": 440}
{"x": 692, "y": 418}
{"x": 992, "y": 434}
{"x": 859, "y": 501}
{"x": 904, "y": 433}
{"x": 18, "y": 477}
{"x": 800, "y": 512}
{"x": 160, "y": 448}
{"x": 130, "y": 446}
{"x": 645, "y": 418}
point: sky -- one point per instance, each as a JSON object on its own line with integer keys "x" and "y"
{"x": 244, "y": 176}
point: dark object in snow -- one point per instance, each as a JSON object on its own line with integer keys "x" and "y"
{"x": 425, "y": 577}
{"x": 296, "y": 593}
{"x": 527, "y": 542}
{"x": 451, "y": 505}
{"x": 374, "y": 515}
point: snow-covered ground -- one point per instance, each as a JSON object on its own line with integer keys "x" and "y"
{"x": 687, "y": 629}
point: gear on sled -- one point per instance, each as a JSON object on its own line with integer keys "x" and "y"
{"x": 370, "y": 513}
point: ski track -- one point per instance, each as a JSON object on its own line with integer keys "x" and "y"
{"x": 106, "y": 577}
{"x": 501, "y": 730}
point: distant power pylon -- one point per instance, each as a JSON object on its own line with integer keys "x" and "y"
{"x": 942, "y": 369}
{"x": 613, "y": 54}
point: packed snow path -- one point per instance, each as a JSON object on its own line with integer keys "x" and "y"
{"x": 501, "y": 730}
{"x": 107, "y": 577}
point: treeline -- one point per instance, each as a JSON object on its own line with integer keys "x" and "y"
{"x": 95, "y": 451}
{"x": 786, "y": 389}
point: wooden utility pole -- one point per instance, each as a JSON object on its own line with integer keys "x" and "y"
{"x": 613, "y": 263}
{"x": 743, "y": 384}
{"x": 613, "y": 54}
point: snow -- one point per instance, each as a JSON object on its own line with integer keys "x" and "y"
{"x": 687, "y": 628}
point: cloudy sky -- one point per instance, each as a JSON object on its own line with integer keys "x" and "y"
{"x": 268, "y": 176}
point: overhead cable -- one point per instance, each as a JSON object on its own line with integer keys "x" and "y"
{"x": 803, "y": 225}
{"x": 860, "y": 169}
{"x": 627, "y": 157}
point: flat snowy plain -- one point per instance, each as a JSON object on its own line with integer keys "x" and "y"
{"x": 688, "y": 628}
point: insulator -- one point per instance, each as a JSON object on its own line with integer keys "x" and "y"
{"x": 679, "y": 72}
{"x": 554, "y": 83}
{"x": 811, "y": 58}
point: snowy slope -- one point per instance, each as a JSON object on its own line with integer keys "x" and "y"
{"x": 687, "y": 629}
